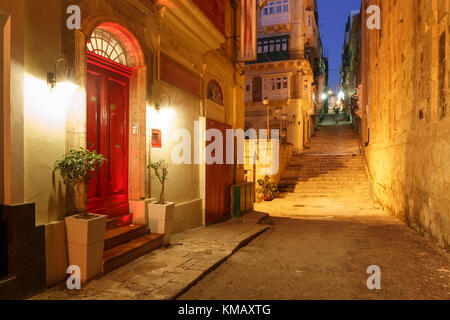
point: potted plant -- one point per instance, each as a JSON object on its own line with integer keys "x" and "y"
{"x": 267, "y": 189}
{"x": 85, "y": 231}
{"x": 160, "y": 213}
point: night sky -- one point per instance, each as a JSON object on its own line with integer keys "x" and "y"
{"x": 333, "y": 16}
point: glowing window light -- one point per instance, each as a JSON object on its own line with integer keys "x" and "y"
{"x": 106, "y": 45}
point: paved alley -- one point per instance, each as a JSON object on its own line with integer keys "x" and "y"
{"x": 325, "y": 233}
{"x": 167, "y": 272}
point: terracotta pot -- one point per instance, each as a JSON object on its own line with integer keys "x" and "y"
{"x": 160, "y": 219}
{"x": 85, "y": 243}
{"x": 267, "y": 197}
{"x": 80, "y": 195}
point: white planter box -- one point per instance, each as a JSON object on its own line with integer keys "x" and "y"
{"x": 85, "y": 244}
{"x": 160, "y": 219}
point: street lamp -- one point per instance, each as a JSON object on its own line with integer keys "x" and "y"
{"x": 266, "y": 103}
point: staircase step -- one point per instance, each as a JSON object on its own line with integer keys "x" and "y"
{"x": 119, "y": 221}
{"x": 122, "y": 254}
{"x": 119, "y": 235}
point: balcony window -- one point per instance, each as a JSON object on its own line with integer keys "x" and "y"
{"x": 273, "y": 49}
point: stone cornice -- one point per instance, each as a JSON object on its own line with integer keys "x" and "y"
{"x": 281, "y": 66}
{"x": 187, "y": 20}
{"x": 277, "y": 28}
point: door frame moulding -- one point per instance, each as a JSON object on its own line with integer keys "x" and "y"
{"x": 5, "y": 132}
{"x": 137, "y": 97}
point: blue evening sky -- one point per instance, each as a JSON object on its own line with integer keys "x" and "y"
{"x": 333, "y": 16}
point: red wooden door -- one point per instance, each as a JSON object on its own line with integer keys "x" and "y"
{"x": 218, "y": 182}
{"x": 107, "y": 133}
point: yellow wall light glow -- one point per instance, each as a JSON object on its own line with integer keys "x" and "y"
{"x": 46, "y": 107}
{"x": 160, "y": 119}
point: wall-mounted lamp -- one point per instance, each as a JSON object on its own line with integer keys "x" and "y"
{"x": 163, "y": 102}
{"x": 157, "y": 107}
{"x": 51, "y": 80}
{"x": 52, "y": 76}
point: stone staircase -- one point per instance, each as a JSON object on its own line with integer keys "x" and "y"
{"x": 327, "y": 179}
{"x": 125, "y": 242}
{"x": 324, "y": 175}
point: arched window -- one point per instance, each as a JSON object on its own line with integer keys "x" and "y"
{"x": 107, "y": 46}
{"x": 214, "y": 92}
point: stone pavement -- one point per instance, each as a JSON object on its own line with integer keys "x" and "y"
{"x": 168, "y": 272}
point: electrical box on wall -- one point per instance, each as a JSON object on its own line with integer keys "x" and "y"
{"x": 156, "y": 138}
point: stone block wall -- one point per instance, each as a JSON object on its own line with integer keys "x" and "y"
{"x": 405, "y": 116}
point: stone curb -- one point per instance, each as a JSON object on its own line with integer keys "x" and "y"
{"x": 245, "y": 240}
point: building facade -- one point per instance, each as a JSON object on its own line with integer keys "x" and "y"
{"x": 403, "y": 100}
{"x": 122, "y": 83}
{"x": 351, "y": 56}
{"x": 290, "y": 71}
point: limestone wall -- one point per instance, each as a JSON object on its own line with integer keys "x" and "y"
{"x": 405, "y": 114}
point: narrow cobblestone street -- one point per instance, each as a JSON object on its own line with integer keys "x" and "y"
{"x": 325, "y": 233}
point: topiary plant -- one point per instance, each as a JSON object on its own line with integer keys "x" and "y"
{"x": 161, "y": 172}
{"x": 78, "y": 164}
{"x": 267, "y": 188}
{"x": 76, "y": 167}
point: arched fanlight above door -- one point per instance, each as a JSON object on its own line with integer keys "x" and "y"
{"x": 214, "y": 92}
{"x": 106, "y": 45}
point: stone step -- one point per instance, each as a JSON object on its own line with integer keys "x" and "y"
{"x": 332, "y": 176}
{"x": 124, "y": 253}
{"x": 318, "y": 182}
{"x": 335, "y": 172}
{"x": 329, "y": 191}
{"x": 307, "y": 157}
{"x": 321, "y": 173}
{"x": 320, "y": 166}
{"x": 325, "y": 195}
{"x": 327, "y": 181}
{"x": 119, "y": 235}
{"x": 321, "y": 170}
{"x": 327, "y": 162}
{"x": 119, "y": 221}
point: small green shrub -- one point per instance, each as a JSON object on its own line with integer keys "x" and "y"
{"x": 267, "y": 189}
{"x": 78, "y": 164}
